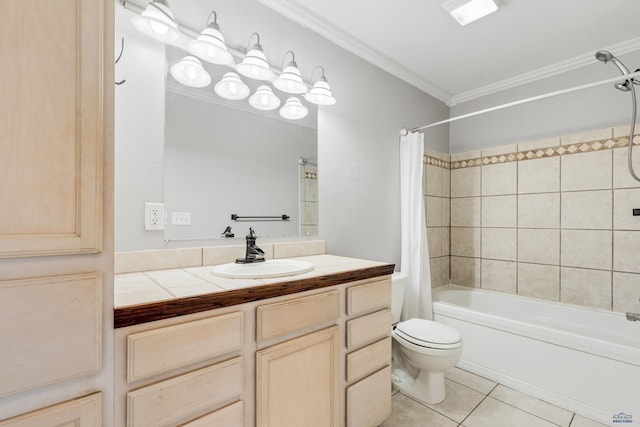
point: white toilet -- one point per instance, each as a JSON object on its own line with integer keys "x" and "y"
{"x": 423, "y": 350}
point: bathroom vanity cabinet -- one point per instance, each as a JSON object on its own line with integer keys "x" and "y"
{"x": 316, "y": 358}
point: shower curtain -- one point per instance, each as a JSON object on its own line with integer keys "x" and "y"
{"x": 414, "y": 260}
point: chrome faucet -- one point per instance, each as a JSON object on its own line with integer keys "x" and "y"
{"x": 252, "y": 253}
{"x": 634, "y": 317}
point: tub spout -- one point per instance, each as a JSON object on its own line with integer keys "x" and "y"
{"x": 634, "y": 317}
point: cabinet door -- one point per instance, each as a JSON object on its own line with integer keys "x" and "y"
{"x": 297, "y": 382}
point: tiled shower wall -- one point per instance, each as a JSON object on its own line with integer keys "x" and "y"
{"x": 436, "y": 187}
{"x": 308, "y": 200}
{"x": 549, "y": 219}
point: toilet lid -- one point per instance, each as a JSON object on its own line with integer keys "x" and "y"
{"x": 427, "y": 333}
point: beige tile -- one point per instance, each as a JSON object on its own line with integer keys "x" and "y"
{"x": 406, "y": 412}
{"x": 311, "y": 190}
{"x": 434, "y": 241}
{"x": 465, "y": 182}
{"x": 465, "y": 242}
{"x": 446, "y": 212}
{"x": 433, "y": 180}
{"x": 493, "y": 413}
{"x": 127, "y": 262}
{"x": 435, "y": 268}
{"x": 590, "y": 288}
{"x": 433, "y": 210}
{"x": 446, "y": 182}
{"x": 501, "y": 149}
{"x": 499, "y": 276}
{"x": 587, "y": 210}
{"x": 182, "y": 283}
{"x": 465, "y": 212}
{"x": 465, "y": 271}
{"x": 214, "y": 255}
{"x": 137, "y": 288}
{"x": 539, "y": 246}
{"x": 587, "y": 171}
{"x": 623, "y": 131}
{"x": 539, "y": 175}
{"x": 588, "y": 136}
{"x": 626, "y": 247}
{"x": 456, "y": 157}
{"x": 626, "y": 292}
{"x": 499, "y": 243}
{"x": 539, "y": 210}
{"x": 446, "y": 245}
{"x": 539, "y": 144}
{"x": 586, "y": 248}
{"x": 473, "y": 381}
{"x": 433, "y": 153}
{"x": 299, "y": 248}
{"x": 532, "y": 405}
{"x": 621, "y": 176}
{"x": 539, "y": 281}
{"x": 499, "y": 211}
{"x": 580, "y": 421}
{"x": 499, "y": 179}
{"x": 459, "y": 402}
{"x": 624, "y": 201}
{"x": 311, "y": 213}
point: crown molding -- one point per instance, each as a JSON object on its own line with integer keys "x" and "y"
{"x": 310, "y": 20}
{"x": 579, "y": 61}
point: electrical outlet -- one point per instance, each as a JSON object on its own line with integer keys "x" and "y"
{"x": 180, "y": 218}
{"x": 154, "y": 216}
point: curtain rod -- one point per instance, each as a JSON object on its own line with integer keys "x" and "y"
{"x": 527, "y": 100}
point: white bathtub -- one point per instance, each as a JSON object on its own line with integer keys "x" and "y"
{"x": 584, "y": 360}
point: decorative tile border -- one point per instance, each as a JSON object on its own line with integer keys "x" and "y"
{"x": 433, "y": 161}
{"x": 311, "y": 175}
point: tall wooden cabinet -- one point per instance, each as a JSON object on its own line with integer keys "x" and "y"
{"x": 56, "y": 212}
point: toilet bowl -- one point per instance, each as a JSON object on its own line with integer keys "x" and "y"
{"x": 423, "y": 351}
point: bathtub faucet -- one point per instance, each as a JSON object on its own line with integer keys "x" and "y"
{"x": 634, "y": 317}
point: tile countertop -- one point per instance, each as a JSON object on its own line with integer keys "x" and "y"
{"x": 160, "y": 294}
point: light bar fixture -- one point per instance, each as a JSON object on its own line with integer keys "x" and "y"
{"x": 255, "y": 65}
{"x": 290, "y": 81}
{"x": 467, "y": 11}
{"x": 210, "y": 44}
{"x": 190, "y": 72}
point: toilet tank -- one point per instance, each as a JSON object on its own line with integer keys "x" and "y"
{"x": 398, "y": 285}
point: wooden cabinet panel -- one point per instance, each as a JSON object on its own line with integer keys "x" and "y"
{"x": 161, "y": 350}
{"x": 369, "y": 401}
{"x": 229, "y": 416}
{"x": 368, "y": 297}
{"x": 51, "y": 330}
{"x": 185, "y": 397}
{"x": 368, "y": 360}
{"x": 297, "y": 382}
{"x": 82, "y": 412}
{"x": 367, "y": 329}
{"x": 51, "y": 127}
{"x": 296, "y": 314}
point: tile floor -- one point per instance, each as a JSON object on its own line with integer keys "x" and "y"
{"x": 473, "y": 401}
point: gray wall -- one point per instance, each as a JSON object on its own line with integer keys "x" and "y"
{"x": 594, "y": 108}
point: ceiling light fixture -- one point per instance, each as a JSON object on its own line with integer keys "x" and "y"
{"x": 293, "y": 109}
{"x": 210, "y": 44}
{"x": 190, "y": 72}
{"x": 264, "y": 99}
{"x": 320, "y": 93}
{"x": 158, "y": 22}
{"x": 231, "y": 87}
{"x": 255, "y": 65}
{"x": 290, "y": 81}
{"x": 467, "y": 11}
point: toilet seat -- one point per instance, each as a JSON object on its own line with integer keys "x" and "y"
{"x": 428, "y": 334}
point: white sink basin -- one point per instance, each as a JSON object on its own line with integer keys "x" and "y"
{"x": 263, "y": 270}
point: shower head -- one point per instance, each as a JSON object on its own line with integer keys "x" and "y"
{"x": 606, "y": 56}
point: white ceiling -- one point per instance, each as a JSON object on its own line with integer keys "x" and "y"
{"x": 420, "y": 43}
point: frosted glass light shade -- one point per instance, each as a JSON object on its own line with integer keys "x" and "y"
{"x": 231, "y": 87}
{"x": 293, "y": 109}
{"x": 255, "y": 65}
{"x": 290, "y": 81}
{"x": 190, "y": 72}
{"x": 210, "y": 46}
{"x": 264, "y": 99}
{"x": 320, "y": 93}
{"x": 158, "y": 22}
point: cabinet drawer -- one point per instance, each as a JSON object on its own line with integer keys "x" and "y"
{"x": 185, "y": 397}
{"x": 161, "y": 350}
{"x": 369, "y": 401}
{"x": 295, "y": 314}
{"x": 368, "y": 360}
{"x": 367, "y": 329}
{"x": 365, "y": 298}
{"x": 229, "y": 416}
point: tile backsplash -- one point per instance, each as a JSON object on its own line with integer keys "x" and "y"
{"x": 549, "y": 219}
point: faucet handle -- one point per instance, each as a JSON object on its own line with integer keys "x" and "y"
{"x": 252, "y": 234}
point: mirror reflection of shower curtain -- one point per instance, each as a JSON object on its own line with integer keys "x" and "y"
{"x": 414, "y": 260}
